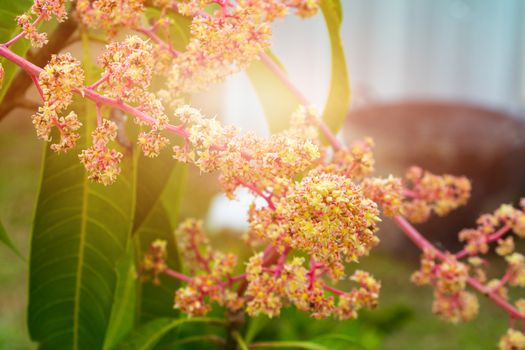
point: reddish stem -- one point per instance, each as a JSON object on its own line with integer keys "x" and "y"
{"x": 204, "y": 262}
{"x": 177, "y": 275}
{"x": 423, "y": 244}
{"x": 151, "y": 34}
{"x": 280, "y": 262}
{"x": 99, "y": 116}
{"x": 490, "y": 238}
{"x": 35, "y": 71}
{"x": 37, "y": 85}
{"x": 506, "y": 277}
{"x": 259, "y": 192}
{"x": 334, "y": 290}
{"x": 23, "y": 33}
{"x": 96, "y": 84}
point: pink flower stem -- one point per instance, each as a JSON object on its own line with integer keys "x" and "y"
{"x": 149, "y": 32}
{"x": 177, "y": 275}
{"x": 35, "y": 71}
{"x": 490, "y": 238}
{"x": 37, "y": 85}
{"x": 23, "y": 33}
{"x": 232, "y": 280}
{"x": 203, "y": 261}
{"x": 252, "y": 187}
{"x": 506, "y": 277}
{"x": 99, "y": 115}
{"x": 423, "y": 244}
{"x": 96, "y": 84}
{"x": 334, "y": 290}
{"x": 312, "y": 274}
{"x": 280, "y": 262}
{"x": 274, "y": 67}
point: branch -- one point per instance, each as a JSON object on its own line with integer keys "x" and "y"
{"x": 57, "y": 41}
{"x": 423, "y": 244}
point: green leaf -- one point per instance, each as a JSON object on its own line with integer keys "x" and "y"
{"x": 148, "y": 335}
{"x": 255, "y": 325}
{"x": 214, "y": 339}
{"x": 4, "y": 238}
{"x": 152, "y": 176}
{"x": 154, "y": 173}
{"x": 173, "y": 193}
{"x": 80, "y": 231}
{"x": 287, "y": 345}
{"x": 157, "y": 300}
{"x": 8, "y": 29}
{"x": 278, "y": 101}
{"x": 338, "y": 101}
{"x": 240, "y": 341}
{"x": 339, "y": 341}
{"x": 122, "y": 317}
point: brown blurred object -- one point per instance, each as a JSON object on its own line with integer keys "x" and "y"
{"x": 485, "y": 145}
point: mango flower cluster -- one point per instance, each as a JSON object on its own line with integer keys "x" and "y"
{"x": 451, "y": 302}
{"x": 222, "y": 41}
{"x": 58, "y": 81}
{"x": 321, "y": 211}
{"x": 318, "y": 206}
{"x": 449, "y": 276}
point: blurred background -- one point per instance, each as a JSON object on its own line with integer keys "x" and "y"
{"x": 440, "y": 84}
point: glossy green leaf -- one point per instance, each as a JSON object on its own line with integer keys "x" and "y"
{"x": 241, "y": 343}
{"x": 255, "y": 325}
{"x": 172, "y": 194}
{"x": 338, "y": 101}
{"x": 154, "y": 173}
{"x": 5, "y": 239}
{"x": 8, "y": 29}
{"x": 196, "y": 339}
{"x": 80, "y": 232}
{"x": 277, "y": 101}
{"x": 148, "y": 335}
{"x": 157, "y": 300}
{"x": 152, "y": 176}
{"x": 122, "y": 319}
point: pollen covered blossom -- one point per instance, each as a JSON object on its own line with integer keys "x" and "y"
{"x": 512, "y": 340}
{"x": 246, "y": 159}
{"x": 429, "y": 193}
{"x": 451, "y": 301}
{"x": 219, "y": 46}
{"x": 272, "y": 288}
{"x": 47, "y": 8}
{"x": 154, "y": 261}
{"x": 102, "y": 163}
{"x": 387, "y": 192}
{"x": 355, "y": 162}
{"x": 110, "y": 15}
{"x": 128, "y": 66}
{"x": 36, "y": 38}
{"x": 212, "y": 269}
{"x": 506, "y": 217}
{"x": 152, "y": 142}
{"x": 324, "y": 215}
{"x": 59, "y": 79}
{"x": 44, "y": 10}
